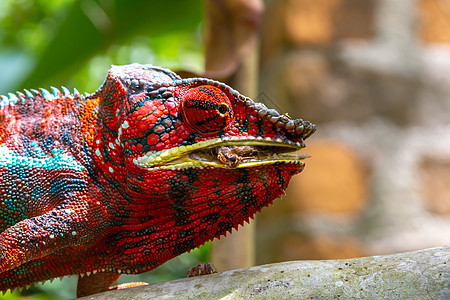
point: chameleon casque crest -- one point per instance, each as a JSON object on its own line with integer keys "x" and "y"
{"x": 144, "y": 169}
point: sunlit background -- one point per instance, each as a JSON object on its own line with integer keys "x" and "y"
{"x": 374, "y": 76}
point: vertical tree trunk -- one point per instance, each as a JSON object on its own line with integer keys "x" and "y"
{"x": 232, "y": 48}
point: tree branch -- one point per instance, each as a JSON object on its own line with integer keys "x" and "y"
{"x": 423, "y": 274}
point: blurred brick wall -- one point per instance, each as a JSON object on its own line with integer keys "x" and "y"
{"x": 374, "y": 75}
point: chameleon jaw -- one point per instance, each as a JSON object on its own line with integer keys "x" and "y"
{"x": 223, "y": 153}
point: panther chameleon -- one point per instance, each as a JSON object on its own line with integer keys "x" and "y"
{"x": 144, "y": 169}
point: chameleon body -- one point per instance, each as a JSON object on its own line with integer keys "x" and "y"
{"x": 144, "y": 169}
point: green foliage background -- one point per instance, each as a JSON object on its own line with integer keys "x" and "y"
{"x": 72, "y": 43}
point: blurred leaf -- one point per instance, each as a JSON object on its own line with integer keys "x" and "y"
{"x": 16, "y": 63}
{"x": 91, "y": 26}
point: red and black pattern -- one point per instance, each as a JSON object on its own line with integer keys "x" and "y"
{"x": 74, "y": 200}
{"x": 206, "y": 109}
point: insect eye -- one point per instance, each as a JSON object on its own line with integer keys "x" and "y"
{"x": 206, "y": 109}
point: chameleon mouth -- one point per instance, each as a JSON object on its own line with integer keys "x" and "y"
{"x": 220, "y": 153}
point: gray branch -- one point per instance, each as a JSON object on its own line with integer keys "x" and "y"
{"x": 423, "y": 274}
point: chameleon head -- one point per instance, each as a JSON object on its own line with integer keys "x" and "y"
{"x": 228, "y": 131}
{"x": 210, "y": 154}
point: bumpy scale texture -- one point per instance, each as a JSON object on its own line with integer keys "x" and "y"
{"x": 146, "y": 168}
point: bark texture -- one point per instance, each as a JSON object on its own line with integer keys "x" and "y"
{"x": 423, "y": 274}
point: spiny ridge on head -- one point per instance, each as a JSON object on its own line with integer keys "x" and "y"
{"x": 21, "y": 97}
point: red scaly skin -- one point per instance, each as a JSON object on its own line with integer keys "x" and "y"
{"x": 122, "y": 180}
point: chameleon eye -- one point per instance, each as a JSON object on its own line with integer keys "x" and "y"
{"x": 206, "y": 109}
